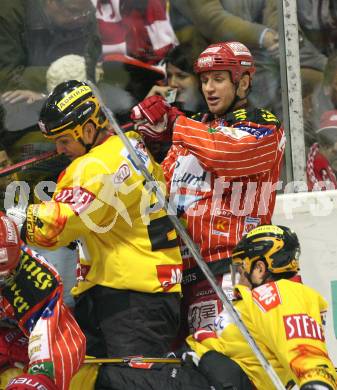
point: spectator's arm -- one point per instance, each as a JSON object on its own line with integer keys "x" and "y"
{"x": 216, "y": 24}
{"x": 12, "y": 53}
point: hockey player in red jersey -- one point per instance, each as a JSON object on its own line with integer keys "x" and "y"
{"x": 32, "y": 296}
{"x": 222, "y": 174}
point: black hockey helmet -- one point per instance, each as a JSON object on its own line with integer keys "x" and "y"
{"x": 68, "y": 108}
{"x": 277, "y": 245}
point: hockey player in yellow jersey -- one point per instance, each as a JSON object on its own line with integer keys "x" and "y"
{"x": 286, "y": 318}
{"x": 128, "y": 291}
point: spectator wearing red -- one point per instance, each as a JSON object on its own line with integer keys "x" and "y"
{"x": 322, "y": 155}
{"x": 140, "y": 29}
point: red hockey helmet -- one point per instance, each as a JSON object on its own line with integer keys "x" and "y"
{"x": 234, "y": 57}
{"x": 9, "y": 246}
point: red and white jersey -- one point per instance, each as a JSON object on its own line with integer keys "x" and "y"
{"x": 320, "y": 175}
{"x": 222, "y": 178}
{"x": 34, "y": 299}
{"x": 140, "y": 31}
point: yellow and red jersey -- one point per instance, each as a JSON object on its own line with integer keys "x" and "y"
{"x": 101, "y": 200}
{"x": 286, "y": 320}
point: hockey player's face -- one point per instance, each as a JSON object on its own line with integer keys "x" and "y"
{"x": 218, "y": 90}
{"x": 68, "y": 146}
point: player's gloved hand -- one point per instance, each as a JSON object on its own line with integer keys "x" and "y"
{"x": 13, "y": 347}
{"x": 190, "y": 357}
{"x": 4, "y": 348}
{"x": 18, "y": 352}
{"x": 31, "y": 382}
{"x": 154, "y": 117}
{"x": 18, "y": 215}
{"x": 316, "y": 385}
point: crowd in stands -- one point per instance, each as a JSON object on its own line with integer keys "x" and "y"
{"x": 180, "y": 73}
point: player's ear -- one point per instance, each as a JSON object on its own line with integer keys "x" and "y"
{"x": 244, "y": 85}
{"x": 261, "y": 267}
{"x": 89, "y": 132}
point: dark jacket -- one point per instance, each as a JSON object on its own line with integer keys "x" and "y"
{"x": 29, "y": 43}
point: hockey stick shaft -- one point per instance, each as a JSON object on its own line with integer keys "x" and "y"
{"x": 36, "y": 160}
{"x": 27, "y": 163}
{"x": 155, "y": 187}
{"x": 127, "y": 360}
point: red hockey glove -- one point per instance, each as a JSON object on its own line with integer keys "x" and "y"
{"x": 18, "y": 351}
{"x": 13, "y": 347}
{"x": 154, "y": 117}
{"x": 31, "y": 382}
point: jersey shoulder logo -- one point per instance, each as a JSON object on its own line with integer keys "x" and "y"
{"x": 267, "y": 296}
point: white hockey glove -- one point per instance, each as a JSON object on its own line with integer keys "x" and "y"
{"x": 18, "y": 215}
{"x": 189, "y": 356}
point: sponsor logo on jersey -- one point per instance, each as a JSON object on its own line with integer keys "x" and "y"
{"x": 233, "y": 132}
{"x": 32, "y": 285}
{"x": 257, "y": 132}
{"x": 267, "y": 296}
{"x": 46, "y": 368}
{"x": 218, "y": 211}
{"x": 189, "y": 278}
{"x": 169, "y": 275}
{"x": 141, "y": 153}
{"x": 302, "y": 326}
{"x": 250, "y": 223}
{"x": 189, "y": 174}
{"x": 122, "y": 174}
{"x": 220, "y": 226}
{"x": 78, "y": 198}
{"x": 11, "y": 235}
{"x": 202, "y": 315}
